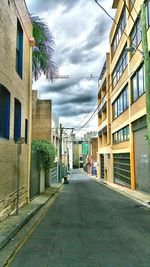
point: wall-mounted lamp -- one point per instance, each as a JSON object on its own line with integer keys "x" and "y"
{"x": 133, "y": 49}
{"x": 32, "y": 41}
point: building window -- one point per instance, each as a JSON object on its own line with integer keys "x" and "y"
{"x": 121, "y": 103}
{"x": 4, "y": 112}
{"x": 119, "y": 31}
{"x": 19, "y": 49}
{"x": 136, "y": 34}
{"x": 17, "y": 120}
{"x": 26, "y": 131}
{"x": 148, "y": 13}
{"x": 121, "y": 135}
{"x": 137, "y": 83}
{"x": 120, "y": 67}
{"x": 132, "y": 3}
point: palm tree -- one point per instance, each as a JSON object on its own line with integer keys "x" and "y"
{"x": 43, "y": 52}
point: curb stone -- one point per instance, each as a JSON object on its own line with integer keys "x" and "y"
{"x": 13, "y": 224}
{"x": 123, "y": 192}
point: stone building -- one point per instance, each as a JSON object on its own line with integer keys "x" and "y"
{"x": 56, "y": 134}
{"x": 123, "y": 151}
{"x": 15, "y": 103}
{"x": 41, "y": 118}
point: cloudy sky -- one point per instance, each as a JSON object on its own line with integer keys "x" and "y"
{"x": 81, "y": 32}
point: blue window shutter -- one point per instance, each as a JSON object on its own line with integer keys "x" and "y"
{"x": 17, "y": 120}
{"x": 4, "y": 112}
{"x": 19, "y": 49}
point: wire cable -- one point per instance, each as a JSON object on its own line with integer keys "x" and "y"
{"x": 86, "y": 114}
{"x": 131, "y": 15}
{"x": 116, "y": 24}
{"x": 128, "y": 77}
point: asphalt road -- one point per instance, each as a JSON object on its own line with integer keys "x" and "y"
{"x": 89, "y": 225}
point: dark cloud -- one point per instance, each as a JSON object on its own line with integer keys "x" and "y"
{"x": 81, "y": 35}
{"x": 59, "y": 87}
{"x": 79, "y": 99}
{"x": 69, "y": 110}
{"x": 98, "y": 34}
{"x": 83, "y": 53}
{"x": 76, "y": 56}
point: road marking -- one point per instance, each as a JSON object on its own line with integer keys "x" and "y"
{"x": 51, "y": 201}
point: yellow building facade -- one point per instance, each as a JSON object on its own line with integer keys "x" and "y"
{"x": 123, "y": 151}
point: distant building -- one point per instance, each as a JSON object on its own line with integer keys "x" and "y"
{"x": 15, "y": 104}
{"x": 41, "y": 118}
{"x": 93, "y": 149}
{"x": 56, "y": 134}
{"x": 90, "y": 135}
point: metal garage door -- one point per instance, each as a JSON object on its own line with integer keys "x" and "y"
{"x": 142, "y": 162}
{"x": 122, "y": 173}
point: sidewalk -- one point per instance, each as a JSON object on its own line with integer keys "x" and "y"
{"x": 10, "y": 226}
{"x": 139, "y": 196}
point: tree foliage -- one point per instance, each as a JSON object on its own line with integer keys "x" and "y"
{"x": 46, "y": 151}
{"x": 43, "y": 53}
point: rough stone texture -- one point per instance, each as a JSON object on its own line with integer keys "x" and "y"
{"x": 8, "y": 205}
{"x": 20, "y": 89}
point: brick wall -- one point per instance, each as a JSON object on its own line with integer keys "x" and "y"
{"x": 20, "y": 89}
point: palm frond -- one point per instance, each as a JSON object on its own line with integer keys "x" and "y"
{"x": 43, "y": 52}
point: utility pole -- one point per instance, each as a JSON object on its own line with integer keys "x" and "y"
{"x": 60, "y": 154}
{"x": 61, "y": 133}
{"x": 60, "y": 149}
{"x": 147, "y": 68}
{"x": 60, "y": 146}
{"x": 18, "y": 175}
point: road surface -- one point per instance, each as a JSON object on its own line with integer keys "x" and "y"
{"x": 89, "y": 225}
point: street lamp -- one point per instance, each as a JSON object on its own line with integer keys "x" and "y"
{"x": 131, "y": 49}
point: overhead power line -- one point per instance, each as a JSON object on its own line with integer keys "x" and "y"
{"x": 131, "y": 14}
{"x": 62, "y": 76}
{"x": 85, "y": 117}
{"x": 94, "y": 113}
{"x": 116, "y": 24}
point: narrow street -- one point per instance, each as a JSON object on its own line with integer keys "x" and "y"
{"x": 89, "y": 225}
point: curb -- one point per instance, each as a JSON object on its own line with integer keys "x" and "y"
{"x": 123, "y": 193}
{"x": 4, "y": 239}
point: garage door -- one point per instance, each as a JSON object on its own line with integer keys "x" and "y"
{"x": 142, "y": 162}
{"x": 122, "y": 173}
